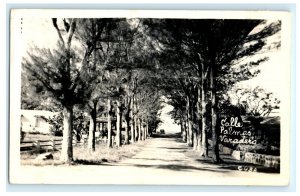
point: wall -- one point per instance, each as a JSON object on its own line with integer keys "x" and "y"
{"x": 248, "y": 157}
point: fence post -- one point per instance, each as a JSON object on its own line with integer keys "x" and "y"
{"x": 38, "y": 146}
{"x": 113, "y": 140}
{"x": 53, "y": 145}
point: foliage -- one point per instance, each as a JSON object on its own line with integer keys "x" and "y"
{"x": 208, "y": 55}
{"x": 136, "y": 62}
{"x": 80, "y": 125}
{"x": 255, "y": 101}
{"x": 34, "y": 97}
{"x": 56, "y": 123}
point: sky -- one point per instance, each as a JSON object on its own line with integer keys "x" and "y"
{"x": 270, "y": 77}
{"x": 167, "y": 122}
{"x": 39, "y": 32}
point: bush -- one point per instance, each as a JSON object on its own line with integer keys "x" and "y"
{"x": 57, "y": 124}
{"x": 80, "y": 125}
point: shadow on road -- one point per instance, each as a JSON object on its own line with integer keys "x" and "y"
{"x": 171, "y": 148}
{"x": 164, "y": 154}
{"x": 155, "y": 159}
{"x": 90, "y": 162}
{"x": 204, "y": 165}
{"x": 179, "y": 167}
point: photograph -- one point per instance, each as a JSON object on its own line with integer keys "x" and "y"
{"x": 150, "y": 97}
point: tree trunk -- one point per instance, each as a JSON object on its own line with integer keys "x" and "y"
{"x": 181, "y": 127}
{"x": 204, "y": 141}
{"x": 196, "y": 130}
{"x": 119, "y": 124}
{"x": 132, "y": 139}
{"x": 136, "y": 121}
{"x": 92, "y": 130}
{"x": 187, "y": 127}
{"x": 147, "y": 129}
{"x": 109, "y": 127}
{"x": 132, "y": 127}
{"x": 198, "y": 119}
{"x": 184, "y": 130}
{"x": 139, "y": 130}
{"x": 66, "y": 155}
{"x": 190, "y": 135}
{"x": 195, "y": 141}
{"x": 199, "y": 142}
{"x": 136, "y": 128}
{"x": 127, "y": 118}
{"x": 127, "y": 129}
{"x": 190, "y": 124}
{"x": 143, "y": 130}
{"x": 215, "y": 143}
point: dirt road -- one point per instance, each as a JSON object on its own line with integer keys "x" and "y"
{"x": 161, "y": 161}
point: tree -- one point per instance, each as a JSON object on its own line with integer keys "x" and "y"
{"x": 33, "y": 97}
{"x": 90, "y": 33}
{"x": 131, "y": 57}
{"x": 254, "y": 101}
{"x": 104, "y": 37}
{"x": 227, "y": 42}
{"x": 62, "y": 72}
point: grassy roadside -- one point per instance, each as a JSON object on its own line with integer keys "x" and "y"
{"x": 81, "y": 155}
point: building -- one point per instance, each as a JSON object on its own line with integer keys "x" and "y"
{"x": 33, "y": 121}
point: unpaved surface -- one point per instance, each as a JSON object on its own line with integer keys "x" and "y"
{"x": 161, "y": 161}
{"x": 168, "y": 154}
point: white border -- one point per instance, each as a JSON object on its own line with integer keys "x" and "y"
{"x": 21, "y": 174}
{"x": 209, "y": 4}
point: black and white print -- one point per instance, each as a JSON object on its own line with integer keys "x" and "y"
{"x": 131, "y": 98}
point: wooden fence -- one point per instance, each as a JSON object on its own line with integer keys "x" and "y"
{"x": 40, "y": 145}
{"x": 52, "y": 145}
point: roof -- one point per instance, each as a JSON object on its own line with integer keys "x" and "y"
{"x": 37, "y": 113}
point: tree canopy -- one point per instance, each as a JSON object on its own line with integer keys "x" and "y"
{"x": 128, "y": 65}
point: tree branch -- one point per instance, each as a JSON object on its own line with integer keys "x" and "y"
{"x": 54, "y": 21}
{"x": 71, "y": 32}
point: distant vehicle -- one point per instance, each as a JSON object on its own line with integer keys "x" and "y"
{"x": 162, "y": 131}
